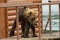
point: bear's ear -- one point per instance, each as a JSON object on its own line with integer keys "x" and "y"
{"x": 25, "y": 7}
{"x": 30, "y": 13}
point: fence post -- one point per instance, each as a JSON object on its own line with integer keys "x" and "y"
{"x": 17, "y": 23}
{"x": 40, "y": 20}
{"x": 59, "y": 19}
{"x": 3, "y": 21}
{"x": 50, "y": 19}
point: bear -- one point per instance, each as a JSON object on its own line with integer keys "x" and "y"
{"x": 27, "y": 18}
{"x": 31, "y": 15}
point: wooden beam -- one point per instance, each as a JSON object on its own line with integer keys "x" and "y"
{"x": 25, "y": 4}
{"x": 3, "y": 21}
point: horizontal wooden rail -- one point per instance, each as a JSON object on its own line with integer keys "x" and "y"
{"x": 25, "y": 4}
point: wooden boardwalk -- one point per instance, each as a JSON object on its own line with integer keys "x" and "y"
{"x": 45, "y": 36}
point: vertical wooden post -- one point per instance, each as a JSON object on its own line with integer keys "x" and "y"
{"x": 41, "y": 14}
{"x": 59, "y": 19}
{"x": 50, "y": 18}
{"x": 17, "y": 23}
{"x": 3, "y": 22}
{"x": 40, "y": 20}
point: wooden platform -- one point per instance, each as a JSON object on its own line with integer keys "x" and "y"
{"x": 45, "y": 36}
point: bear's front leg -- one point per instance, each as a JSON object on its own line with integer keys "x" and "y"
{"x": 33, "y": 30}
{"x": 23, "y": 28}
{"x": 27, "y": 27}
{"x": 13, "y": 28}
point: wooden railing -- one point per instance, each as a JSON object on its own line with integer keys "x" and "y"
{"x": 5, "y": 5}
{"x": 24, "y": 4}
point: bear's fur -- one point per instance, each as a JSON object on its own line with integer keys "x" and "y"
{"x": 27, "y": 18}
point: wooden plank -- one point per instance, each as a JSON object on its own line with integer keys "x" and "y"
{"x": 11, "y": 18}
{"x": 14, "y": 8}
{"x": 12, "y": 12}
{"x": 11, "y": 8}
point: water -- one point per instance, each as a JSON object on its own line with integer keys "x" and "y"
{"x": 55, "y": 20}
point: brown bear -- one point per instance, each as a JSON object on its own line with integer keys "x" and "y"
{"x": 27, "y": 18}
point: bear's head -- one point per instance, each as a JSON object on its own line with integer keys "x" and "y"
{"x": 30, "y": 14}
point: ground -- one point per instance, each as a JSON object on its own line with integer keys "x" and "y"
{"x": 45, "y": 36}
